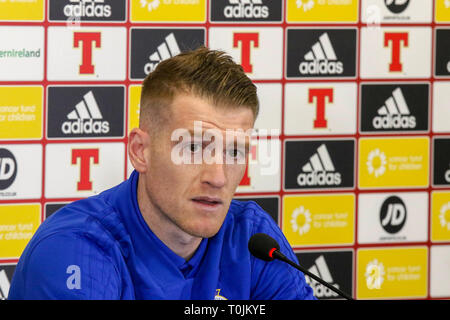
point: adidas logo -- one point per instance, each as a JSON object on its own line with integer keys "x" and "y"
{"x": 167, "y": 49}
{"x": 447, "y": 176}
{"x": 320, "y": 269}
{"x": 246, "y": 9}
{"x": 320, "y": 170}
{"x": 4, "y": 285}
{"x": 86, "y": 118}
{"x": 321, "y": 59}
{"x": 394, "y": 114}
{"x": 87, "y": 8}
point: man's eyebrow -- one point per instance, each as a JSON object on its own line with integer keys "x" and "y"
{"x": 233, "y": 133}
{"x": 194, "y": 134}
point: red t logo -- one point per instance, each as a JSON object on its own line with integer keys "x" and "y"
{"x": 85, "y": 156}
{"x": 396, "y": 38}
{"x": 320, "y": 95}
{"x": 86, "y": 38}
{"x": 245, "y": 39}
{"x": 246, "y": 178}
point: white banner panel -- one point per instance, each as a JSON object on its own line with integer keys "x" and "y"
{"x": 86, "y": 53}
{"x": 395, "y": 52}
{"x": 258, "y": 50}
{"x": 320, "y": 108}
{"x": 20, "y": 171}
{"x": 21, "y": 53}
{"x": 84, "y": 169}
{"x": 392, "y": 217}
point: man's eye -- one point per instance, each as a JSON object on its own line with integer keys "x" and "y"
{"x": 194, "y": 147}
{"x": 235, "y": 153}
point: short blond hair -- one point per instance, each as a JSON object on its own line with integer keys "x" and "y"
{"x": 209, "y": 74}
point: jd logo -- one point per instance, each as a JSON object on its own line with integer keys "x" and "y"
{"x": 393, "y": 214}
{"x": 74, "y": 280}
{"x": 8, "y": 168}
{"x": 396, "y": 6}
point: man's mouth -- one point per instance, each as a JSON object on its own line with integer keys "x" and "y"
{"x": 208, "y": 201}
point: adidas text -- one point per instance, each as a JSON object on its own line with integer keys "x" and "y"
{"x": 320, "y": 291}
{"x": 321, "y": 67}
{"x": 246, "y": 11}
{"x": 85, "y": 127}
{"x": 319, "y": 179}
{"x": 394, "y": 122}
{"x": 87, "y": 10}
{"x": 149, "y": 67}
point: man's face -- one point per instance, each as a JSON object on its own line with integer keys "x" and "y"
{"x": 195, "y": 195}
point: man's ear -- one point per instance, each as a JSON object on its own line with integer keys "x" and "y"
{"x": 138, "y": 142}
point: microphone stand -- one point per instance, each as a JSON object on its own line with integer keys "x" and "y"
{"x": 278, "y": 255}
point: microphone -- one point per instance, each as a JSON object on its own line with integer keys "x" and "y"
{"x": 266, "y": 248}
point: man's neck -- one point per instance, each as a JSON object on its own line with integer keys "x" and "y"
{"x": 181, "y": 243}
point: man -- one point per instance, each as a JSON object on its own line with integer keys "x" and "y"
{"x": 171, "y": 231}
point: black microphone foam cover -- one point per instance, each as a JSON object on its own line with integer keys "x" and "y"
{"x": 261, "y": 246}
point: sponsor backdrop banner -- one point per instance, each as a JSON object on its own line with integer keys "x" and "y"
{"x": 351, "y": 156}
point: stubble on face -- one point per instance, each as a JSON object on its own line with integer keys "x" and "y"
{"x": 189, "y": 201}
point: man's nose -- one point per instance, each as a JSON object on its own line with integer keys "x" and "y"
{"x": 214, "y": 174}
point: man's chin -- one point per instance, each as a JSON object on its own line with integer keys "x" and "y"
{"x": 206, "y": 225}
{"x": 204, "y": 232}
{"x": 203, "y": 229}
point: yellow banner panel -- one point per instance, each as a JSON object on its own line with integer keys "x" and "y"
{"x": 14, "y": 10}
{"x": 18, "y": 223}
{"x": 393, "y": 162}
{"x": 168, "y": 10}
{"x": 440, "y": 216}
{"x": 134, "y": 106}
{"x": 306, "y": 11}
{"x": 442, "y": 11}
{"x": 315, "y": 220}
{"x": 21, "y": 112}
{"x": 392, "y": 273}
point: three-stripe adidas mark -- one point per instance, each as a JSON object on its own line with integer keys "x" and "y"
{"x": 321, "y": 59}
{"x": 165, "y": 50}
{"x": 85, "y": 118}
{"x": 319, "y": 171}
{"x": 320, "y": 269}
{"x": 394, "y": 114}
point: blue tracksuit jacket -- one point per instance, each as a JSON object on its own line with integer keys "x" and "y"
{"x": 101, "y": 248}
